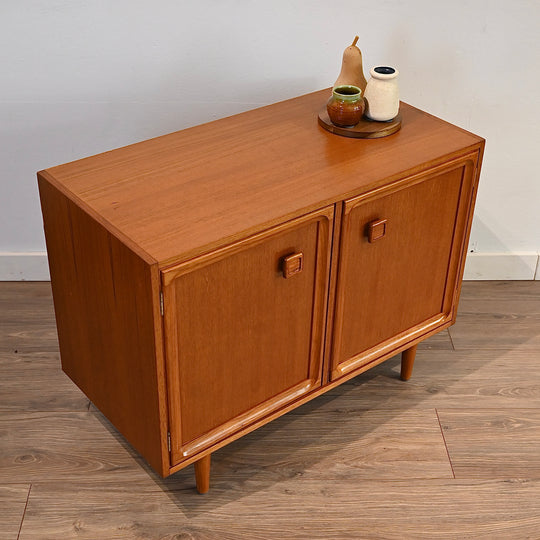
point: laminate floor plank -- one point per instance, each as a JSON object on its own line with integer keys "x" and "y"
{"x": 502, "y": 291}
{"x": 498, "y": 315}
{"x": 487, "y": 443}
{"x": 28, "y": 337}
{"x": 450, "y": 379}
{"x": 34, "y": 381}
{"x": 13, "y": 499}
{"x": 292, "y": 509}
{"x": 26, "y": 301}
{"x": 361, "y": 444}
{"x": 59, "y": 446}
{"x": 437, "y": 342}
{"x": 27, "y": 322}
{"x": 332, "y": 443}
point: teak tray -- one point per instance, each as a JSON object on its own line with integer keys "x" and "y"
{"x": 365, "y": 129}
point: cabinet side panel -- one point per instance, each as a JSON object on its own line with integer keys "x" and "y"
{"x": 470, "y": 213}
{"x": 104, "y": 309}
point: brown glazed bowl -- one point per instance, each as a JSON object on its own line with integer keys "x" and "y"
{"x": 346, "y": 106}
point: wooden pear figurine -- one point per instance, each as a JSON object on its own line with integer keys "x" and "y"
{"x": 351, "y": 68}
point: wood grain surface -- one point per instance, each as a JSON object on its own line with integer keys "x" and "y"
{"x": 407, "y": 277}
{"x": 439, "y": 342}
{"x": 27, "y": 319}
{"x": 358, "y": 444}
{"x": 13, "y": 498}
{"x": 486, "y": 443}
{"x": 51, "y": 390}
{"x": 106, "y": 305}
{"x": 374, "y": 458}
{"x": 450, "y": 379}
{"x": 297, "y": 508}
{"x": 56, "y": 446}
{"x": 29, "y": 352}
{"x": 255, "y": 337}
{"x": 243, "y": 174}
{"x": 488, "y": 311}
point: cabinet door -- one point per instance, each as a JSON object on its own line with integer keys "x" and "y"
{"x": 400, "y": 257}
{"x": 244, "y": 328}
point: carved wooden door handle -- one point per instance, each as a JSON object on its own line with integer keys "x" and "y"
{"x": 293, "y": 264}
{"x": 376, "y": 230}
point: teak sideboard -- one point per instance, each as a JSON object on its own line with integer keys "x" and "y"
{"x": 208, "y": 281}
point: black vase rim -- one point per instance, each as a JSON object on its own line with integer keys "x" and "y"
{"x": 384, "y": 70}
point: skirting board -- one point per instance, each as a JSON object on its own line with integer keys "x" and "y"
{"x": 479, "y": 266}
{"x": 502, "y": 266}
{"x": 32, "y": 266}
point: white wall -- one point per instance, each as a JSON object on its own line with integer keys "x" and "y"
{"x": 82, "y": 76}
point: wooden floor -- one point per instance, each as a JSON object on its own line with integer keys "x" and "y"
{"x": 453, "y": 453}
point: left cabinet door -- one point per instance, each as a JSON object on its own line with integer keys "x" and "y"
{"x": 244, "y": 328}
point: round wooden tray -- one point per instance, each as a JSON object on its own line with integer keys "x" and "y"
{"x": 365, "y": 129}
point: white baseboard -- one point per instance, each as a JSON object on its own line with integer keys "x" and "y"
{"x": 504, "y": 266}
{"x": 479, "y": 266}
{"x": 31, "y": 266}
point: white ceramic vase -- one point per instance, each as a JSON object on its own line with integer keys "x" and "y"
{"x": 382, "y": 94}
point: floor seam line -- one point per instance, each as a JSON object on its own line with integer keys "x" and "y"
{"x": 445, "y": 445}
{"x": 451, "y": 340}
{"x": 24, "y": 511}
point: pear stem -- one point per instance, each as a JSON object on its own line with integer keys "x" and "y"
{"x": 354, "y": 42}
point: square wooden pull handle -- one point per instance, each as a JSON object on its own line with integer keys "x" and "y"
{"x": 293, "y": 264}
{"x": 376, "y": 230}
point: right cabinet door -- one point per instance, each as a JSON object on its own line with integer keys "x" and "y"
{"x": 400, "y": 258}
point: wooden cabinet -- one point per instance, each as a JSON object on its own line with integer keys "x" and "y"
{"x": 210, "y": 280}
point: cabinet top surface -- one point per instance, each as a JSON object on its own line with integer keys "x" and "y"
{"x": 182, "y": 194}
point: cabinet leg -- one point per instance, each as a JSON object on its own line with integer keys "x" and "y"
{"x": 407, "y": 361}
{"x": 202, "y": 474}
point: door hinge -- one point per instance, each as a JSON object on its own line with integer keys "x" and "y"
{"x": 161, "y": 308}
{"x": 169, "y": 440}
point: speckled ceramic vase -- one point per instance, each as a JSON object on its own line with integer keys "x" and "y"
{"x": 382, "y": 94}
{"x": 346, "y": 106}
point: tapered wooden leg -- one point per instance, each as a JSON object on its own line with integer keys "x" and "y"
{"x": 407, "y": 362}
{"x": 202, "y": 474}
